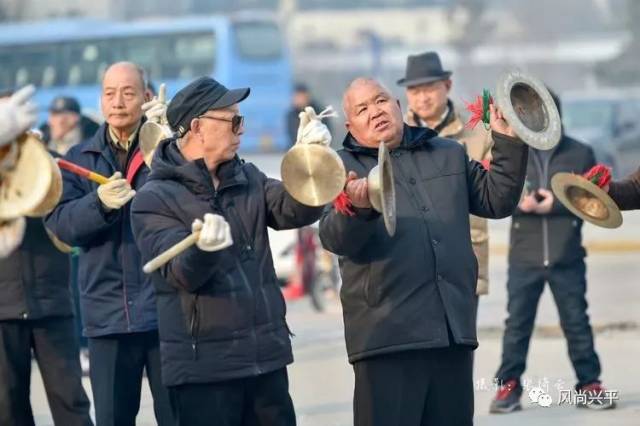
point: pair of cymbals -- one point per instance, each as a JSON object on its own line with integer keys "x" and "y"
{"x": 586, "y": 200}
{"x": 32, "y": 186}
{"x": 315, "y": 175}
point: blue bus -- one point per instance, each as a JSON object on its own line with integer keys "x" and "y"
{"x": 69, "y": 57}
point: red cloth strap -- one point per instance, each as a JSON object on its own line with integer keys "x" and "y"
{"x": 134, "y": 166}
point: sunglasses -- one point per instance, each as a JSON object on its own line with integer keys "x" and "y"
{"x": 237, "y": 121}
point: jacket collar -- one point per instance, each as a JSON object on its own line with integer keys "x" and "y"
{"x": 412, "y": 138}
{"x": 170, "y": 164}
{"x": 101, "y": 140}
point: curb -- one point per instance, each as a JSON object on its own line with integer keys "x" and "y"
{"x": 614, "y": 246}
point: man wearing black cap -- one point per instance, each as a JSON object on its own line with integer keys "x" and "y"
{"x": 427, "y": 87}
{"x": 66, "y": 126}
{"x": 224, "y": 339}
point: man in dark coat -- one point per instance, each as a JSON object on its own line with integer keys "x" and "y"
{"x": 117, "y": 299}
{"x": 546, "y": 247}
{"x": 36, "y": 315}
{"x": 409, "y": 301}
{"x": 626, "y": 193}
{"x": 224, "y": 339}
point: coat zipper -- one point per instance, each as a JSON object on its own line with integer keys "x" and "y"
{"x": 543, "y": 169}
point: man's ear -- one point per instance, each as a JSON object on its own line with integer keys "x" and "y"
{"x": 347, "y": 125}
{"x": 448, "y": 83}
{"x": 195, "y": 126}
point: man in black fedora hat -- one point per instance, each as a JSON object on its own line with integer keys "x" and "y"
{"x": 427, "y": 88}
{"x": 224, "y": 339}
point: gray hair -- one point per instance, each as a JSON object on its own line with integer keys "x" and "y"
{"x": 360, "y": 81}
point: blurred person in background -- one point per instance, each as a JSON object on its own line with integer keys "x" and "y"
{"x": 66, "y": 126}
{"x": 546, "y": 247}
{"x": 36, "y": 311}
{"x": 301, "y": 98}
{"x": 428, "y": 87}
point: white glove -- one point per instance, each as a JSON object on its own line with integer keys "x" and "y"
{"x": 156, "y": 109}
{"x": 311, "y": 129}
{"x": 17, "y": 114}
{"x": 215, "y": 232}
{"x": 11, "y": 234}
{"x": 115, "y": 193}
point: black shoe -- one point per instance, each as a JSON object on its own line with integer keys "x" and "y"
{"x": 507, "y": 399}
{"x": 595, "y": 397}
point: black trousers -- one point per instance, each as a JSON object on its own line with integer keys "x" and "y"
{"x": 55, "y": 346}
{"x": 431, "y": 387}
{"x": 568, "y": 287}
{"x": 117, "y": 366}
{"x": 261, "y": 401}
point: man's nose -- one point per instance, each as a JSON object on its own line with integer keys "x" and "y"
{"x": 118, "y": 100}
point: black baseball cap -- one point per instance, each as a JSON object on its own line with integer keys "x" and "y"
{"x": 64, "y": 104}
{"x": 198, "y": 97}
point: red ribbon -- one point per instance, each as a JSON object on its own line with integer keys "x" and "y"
{"x": 599, "y": 175}
{"x": 343, "y": 205}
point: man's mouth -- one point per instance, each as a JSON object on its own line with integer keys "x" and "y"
{"x": 381, "y": 125}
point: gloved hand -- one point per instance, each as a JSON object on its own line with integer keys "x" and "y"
{"x": 115, "y": 193}
{"x": 311, "y": 129}
{"x": 215, "y": 232}
{"x": 17, "y": 114}
{"x": 156, "y": 109}
{"x": 11, "y": 234}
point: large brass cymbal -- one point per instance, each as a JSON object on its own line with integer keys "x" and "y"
{"x": 382, "y": 192}
{"x": 529, "y": 109}
{"x": 53, "y": 196}
{"x": 27, "y": 184}
{"x": 313, "y": 174}
{"x": 150, "y": 136}
{"x": 586, "y": 200}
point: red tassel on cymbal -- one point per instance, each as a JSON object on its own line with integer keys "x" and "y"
{"x": 343, "y": 205}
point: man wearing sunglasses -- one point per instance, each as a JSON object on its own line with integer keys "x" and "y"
{"x": 224, "y": 340}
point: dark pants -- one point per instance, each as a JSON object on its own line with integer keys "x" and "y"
{"x": 432, "y": 387}
{"x": 75, "y": 292}
{"x": 117, "y": 365}
{"x": 55, "y": 346}
{"x": 568, "y": 286}
{"x": 261, "y": 401}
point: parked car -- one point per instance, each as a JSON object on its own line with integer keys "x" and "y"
{"x": 608, "y": 120}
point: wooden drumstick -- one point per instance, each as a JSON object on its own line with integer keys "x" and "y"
{"x": 81, "y": 171}
{"x": 170, "y": 253}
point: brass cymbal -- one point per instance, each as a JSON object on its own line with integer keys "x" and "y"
{"x": 150, "y": 136}
{"x": 53, "y": 196}
{"x": 529, "y": 109}
{"x": 313, "y": 174}
{"x": 27, "y": 184}
{"x": 586, "y": 200}
{"x": 382, "y": 193}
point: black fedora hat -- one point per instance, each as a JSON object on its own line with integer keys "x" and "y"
{"x": 423, "y": 68}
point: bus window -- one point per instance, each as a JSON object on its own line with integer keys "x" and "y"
{"x": 171, "y": 56}
{"x": 258, "y": 40}
{"x": 27, "y": 64}
{"x": 83, "y": 61}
